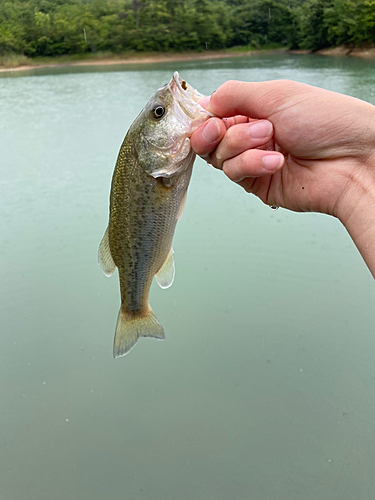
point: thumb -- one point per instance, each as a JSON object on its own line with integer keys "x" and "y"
{"x": 252, "y": 99}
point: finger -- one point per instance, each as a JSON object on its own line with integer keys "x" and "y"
{"x": 234, "y": 120}
{"x": 256, "y": 100}
{"x": 205, "y": 139}
{"x": 240, "y": 138}
{"x": 253, "y": 163}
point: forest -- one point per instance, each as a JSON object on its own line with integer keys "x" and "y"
{"x": 56, "y": 27}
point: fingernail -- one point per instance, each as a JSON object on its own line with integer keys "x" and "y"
{"x": 260, "y": 129}
{"x": 272, "y": 162}
{"x": 211, "y": 131}
{"x": 204, "y": 102}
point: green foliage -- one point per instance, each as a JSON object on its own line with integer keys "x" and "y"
{"x": 263, "y": 22}
{"x": 351, "y": 22}
{"x": 313, "y": 27}
{"x": 57, "y": 27}
{"x": 325, "y": 23}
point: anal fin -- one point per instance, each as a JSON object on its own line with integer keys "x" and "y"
{"x": 165, "y": 275}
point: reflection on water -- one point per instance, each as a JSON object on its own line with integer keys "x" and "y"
{"x": 264, "y": 386}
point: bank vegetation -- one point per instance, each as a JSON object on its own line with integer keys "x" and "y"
{"x": 40, "y": 28}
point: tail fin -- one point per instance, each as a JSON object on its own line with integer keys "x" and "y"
{"x": 129, "y": 328}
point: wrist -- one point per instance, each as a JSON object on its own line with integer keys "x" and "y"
{"x": 357, "y": 210}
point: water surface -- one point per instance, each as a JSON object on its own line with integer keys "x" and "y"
{"x": 264, "y": 388}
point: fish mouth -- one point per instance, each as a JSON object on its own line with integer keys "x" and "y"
{"x": 188, "y": 99}
{"x": 186, "y": 110}
{"x": 182, "y": 91}
{"x": 188, "y": 115}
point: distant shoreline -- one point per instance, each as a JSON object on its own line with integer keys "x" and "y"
{"x": 139, "y": 59}
{"x": 365, "y": 53}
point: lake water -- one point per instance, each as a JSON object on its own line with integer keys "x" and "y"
{"x": 264, "y": 388}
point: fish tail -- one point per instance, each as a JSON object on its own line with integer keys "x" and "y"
{"x": 129, "y": 328}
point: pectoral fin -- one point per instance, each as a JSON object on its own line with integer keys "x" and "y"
{"x": 165, "y": 275}
{"x": 105, "y": 258}
{"x": 182, "y": 206}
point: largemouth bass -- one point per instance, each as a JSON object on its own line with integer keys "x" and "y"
{"x": 148, "y": 192}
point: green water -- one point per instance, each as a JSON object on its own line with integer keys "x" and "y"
{"x": 264, "y": 388}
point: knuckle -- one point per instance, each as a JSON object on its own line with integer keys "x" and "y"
{"x": 230, "y": 84}
{"x": 224, "y": 89}
{"x": 230, "y": 139}
{"x": 287, "y": 87}
{"x": 248, "y": 187}
{"x": 243, "y": 163}
{"x": 217, "y": 162}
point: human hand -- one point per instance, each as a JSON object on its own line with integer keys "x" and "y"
{"x": 322, "y": 150}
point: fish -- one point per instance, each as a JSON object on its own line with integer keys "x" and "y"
{"x": 147, "y": 198}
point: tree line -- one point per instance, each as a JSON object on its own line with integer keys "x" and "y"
{"x": 56, "y": 27}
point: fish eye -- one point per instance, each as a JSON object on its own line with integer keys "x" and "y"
{"x": 158, "y": 111}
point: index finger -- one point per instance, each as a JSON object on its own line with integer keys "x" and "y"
{"x": 253, "y": 99}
